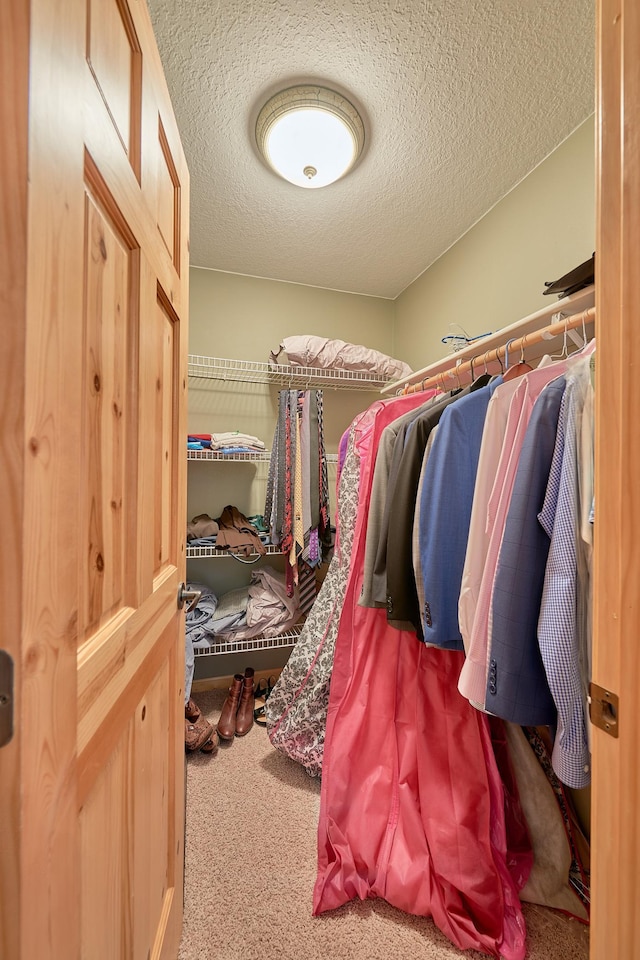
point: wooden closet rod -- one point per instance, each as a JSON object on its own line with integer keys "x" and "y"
{"x": 513, "y": 346}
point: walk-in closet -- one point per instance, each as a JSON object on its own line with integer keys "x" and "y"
{"x": 320, "y": 468}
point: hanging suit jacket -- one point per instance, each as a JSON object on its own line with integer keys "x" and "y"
{"x": 517, "y": 687}
{"x": 374, "y": 582}
{"x": 446, "y": 496}
{"x": 403, "y": 611}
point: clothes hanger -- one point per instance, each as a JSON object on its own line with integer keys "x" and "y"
{"x": 519, "y": 368}
{"x": 574, "y": 336}
{"x": 506, "y": 352}
{"x": 565, "y": 351}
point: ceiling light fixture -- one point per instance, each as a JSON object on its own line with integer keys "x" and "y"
{"x": 310, "y": 135}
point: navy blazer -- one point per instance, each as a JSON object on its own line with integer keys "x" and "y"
{"x": 517, "y": 688}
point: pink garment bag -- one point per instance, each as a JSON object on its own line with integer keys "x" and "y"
{"x": 412, "y": 803}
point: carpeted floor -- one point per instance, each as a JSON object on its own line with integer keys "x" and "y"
{"x": 250, "y": 869}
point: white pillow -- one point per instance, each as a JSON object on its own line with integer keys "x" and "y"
{"x": 311, "y": 351}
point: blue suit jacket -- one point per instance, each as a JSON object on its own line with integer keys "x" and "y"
{"x": 403, "y": 608}
{"x": 517, "y": 688}
{"x": 446, "y": 497}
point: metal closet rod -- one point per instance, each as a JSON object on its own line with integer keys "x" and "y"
{"x": 497, "y": 353}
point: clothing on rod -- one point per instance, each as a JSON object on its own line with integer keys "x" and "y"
{"x": 475, "y": 499}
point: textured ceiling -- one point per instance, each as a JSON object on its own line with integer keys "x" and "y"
{"x": 460, "y": 98}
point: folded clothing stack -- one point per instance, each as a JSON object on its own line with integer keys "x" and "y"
{"x": 231, "y": 442}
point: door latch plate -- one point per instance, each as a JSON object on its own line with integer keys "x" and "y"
{"x": 603, "y": 709}
{"x": 6, "y": 698}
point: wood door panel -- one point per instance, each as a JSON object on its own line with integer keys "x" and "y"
{"x": 169, "y": 213}
{"x": 108, "y": 555}
{"x": 116, "y": 180}
{"x": 115, "y": 60}
{"x": 106, "y": 844}
{"x": 128, "y": 874}
{"x": 167, "y": 360}
{"x": 153, "y": 773}
{"x": 113, "y": 668}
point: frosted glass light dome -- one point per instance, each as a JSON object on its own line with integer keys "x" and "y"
{"x": 311, "y": 136}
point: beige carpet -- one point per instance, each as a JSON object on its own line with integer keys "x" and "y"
{"x": 250, "y": 869}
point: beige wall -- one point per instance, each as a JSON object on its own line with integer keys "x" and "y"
{"x": 246, "y": 317}
{"x": 494, "y": 275}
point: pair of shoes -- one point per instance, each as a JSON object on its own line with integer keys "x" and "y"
{"x": 236, "y": 718}
{"x": 197, "y": 734}
{"x": 263, "y": 692}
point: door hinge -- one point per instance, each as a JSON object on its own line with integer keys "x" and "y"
{"x": 6, "y": 698}
{"x": 603, "y": 709}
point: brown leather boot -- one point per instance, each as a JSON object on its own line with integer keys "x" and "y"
{"x": 196, "y": 734}
{"x": 227, "y": 723}
{"x": 244, "y": 717}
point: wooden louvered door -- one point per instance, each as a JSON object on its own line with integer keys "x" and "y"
{"x": 95, "y": 299}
